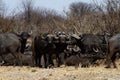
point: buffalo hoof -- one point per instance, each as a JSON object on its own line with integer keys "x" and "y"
{"x": 50, "y": 66}
{"x": 84, "y": 66}
{"x": 107, "y": 67}
{"x": 115, "y": 66}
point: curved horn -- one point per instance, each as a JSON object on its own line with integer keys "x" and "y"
{"x": 76, "y": 48}
{"x": 56, "y": 37}
{"x": 75, "y": 36}
{"x": 43, "y": 37}
{"x": 69, "y": 48}
{"x": 96, "y": 50}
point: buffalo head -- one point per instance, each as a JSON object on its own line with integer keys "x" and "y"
{"x": 24, "y": 36}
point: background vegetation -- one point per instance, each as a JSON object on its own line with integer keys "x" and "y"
{"x": 80, "y": 18}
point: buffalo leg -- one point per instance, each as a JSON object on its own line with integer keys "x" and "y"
{"x": 58, "y": 59}
{"x": 3, "y": 59}
{"x": 36, "y": 60}
{"x": 109, "y": 58}
{"x": 33, "y": 60}
{"x": 20, "y": 59}
{"x": 108, "y": 61}
{"x": 46, "y": 60}
{"x": 51, "y": 58}
{"x": 113, "y": 60}
{"x": 39, "y": 61}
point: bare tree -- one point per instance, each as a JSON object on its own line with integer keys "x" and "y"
{"x": 4, "y": 21}
{"x": 80, "y": 17}
{"x": 80, "y": 9}
{"x": 23, "y": 19}
{"x": 27, "y": 10}
{"x": 109, "y": 16}
{"x": 2, "y": 8}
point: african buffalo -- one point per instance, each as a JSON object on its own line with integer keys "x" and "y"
{"x": 9, "y": 60}
{"x": 70, "y": 56}
{"x": 60, "y": 41}
{"x": 73, "y": 60}
{"x": 104, "y": 38}
{"x": 23, "y": 38}
{"x": 91, "y": 46}
{"x": 114, "y": 48}
{"x": 42, "y": 47}
{"x": 12, "y": 43}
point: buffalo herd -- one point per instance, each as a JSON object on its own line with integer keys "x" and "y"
{"x": 59, "y": 48}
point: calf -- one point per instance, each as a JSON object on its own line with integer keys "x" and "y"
{"x": 71, "y": 56}
{"x": 73, "y": 60}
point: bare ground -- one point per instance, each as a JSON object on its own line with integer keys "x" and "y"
{"x": 65, "y": 73}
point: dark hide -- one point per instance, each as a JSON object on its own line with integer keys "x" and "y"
{"x": 10, "y": 43}
{"x": 42, "y": 48}
{"x": 23, "y": 39}
{"x": 114, "y": 48}
{"x": 9, "y": 60}
{"x": 24, "y": 36}
{"x": 104, "y": 45}
{"x": 88, "y": 42}
{"x": 71, "y": 56}
{"x": 92, "y": 47}
{"x": 73, "y": 60}
{"x": 60, "y": 47}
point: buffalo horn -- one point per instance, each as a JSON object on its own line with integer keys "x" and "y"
{"x": 75, "y": 36}
{"x": 96, "y": 50}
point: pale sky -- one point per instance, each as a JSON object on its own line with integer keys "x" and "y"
{"x": 58, "y": 5}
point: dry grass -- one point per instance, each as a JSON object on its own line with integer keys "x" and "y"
{"x": 66, "y": 73}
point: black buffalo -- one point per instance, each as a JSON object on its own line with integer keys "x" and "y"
{"x": 114, "y": 48}
{"x": 9, "y": 60}
{"x": 90, "y": 43}
{"x": 12, "y": 43}
{"x": 70, "y": 56}
{"x": 91, "y": 46}
{"x": 104, "y": 44}
{"x": 73, "y": 60}
{"x": 60, "y": 41}
{"x": 42, "y": 47}
{"x": 23, "y": 38}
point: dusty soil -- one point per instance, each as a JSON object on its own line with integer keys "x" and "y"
{"x": 65, "y": 73}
